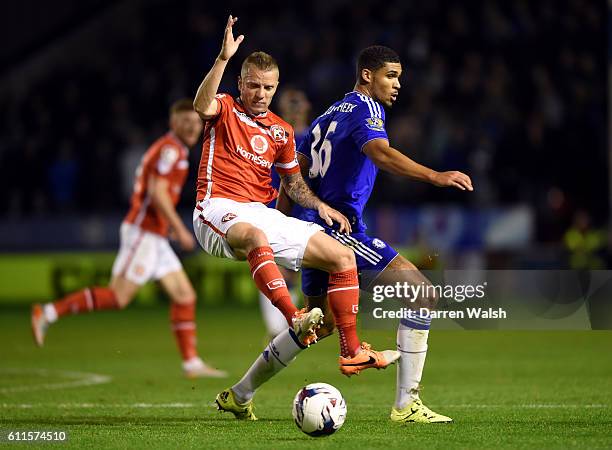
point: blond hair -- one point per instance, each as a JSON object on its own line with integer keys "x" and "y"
{"x": 260, "y": 60}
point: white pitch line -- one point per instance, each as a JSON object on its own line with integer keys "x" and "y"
{"x": 126, "y": 405}
{"x": 495, "y": 406}
{"x": 78, "y": 379}
{"x": 204, "y": 405}
{"x": 527, "y": 406}
{"x": 99, "y": 405}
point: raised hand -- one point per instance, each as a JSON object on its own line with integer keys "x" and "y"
{"x": 230, "y": 45}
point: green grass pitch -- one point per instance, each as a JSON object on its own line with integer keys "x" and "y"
{"x": 504, "y": 389}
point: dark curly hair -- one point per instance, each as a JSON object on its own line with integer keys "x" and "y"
{"x": 374, "y": 57}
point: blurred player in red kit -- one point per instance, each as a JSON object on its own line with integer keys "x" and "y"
{"x": 145, "y": 252}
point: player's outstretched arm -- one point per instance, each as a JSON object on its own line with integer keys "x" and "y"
{"x": 298, "y": 191}
{"x": 158, "y": 190}
{"x": 391, "y": 160}
{"x": 205, "y": 103}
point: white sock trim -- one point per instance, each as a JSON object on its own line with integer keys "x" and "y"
{"x": 50, "y": 312}
{"x": 343, "y": 289}
{"x": 89, "y": 299}
{"x": 260, "y": 266}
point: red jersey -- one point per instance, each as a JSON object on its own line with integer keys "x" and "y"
{"x": 166, "y": 158}
{"x": 239, "y": 151}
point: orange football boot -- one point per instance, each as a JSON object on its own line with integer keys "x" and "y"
{"x": 367, "y": 358}
{"x": 39, "y": 324}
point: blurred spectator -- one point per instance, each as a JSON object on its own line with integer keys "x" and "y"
{"x": 584, "y": 243}
{"x": 295, "y": 108}
{"x": 62, "y": 176}
{"x": 130, "y": 160}
{"x": 511, "y": 92}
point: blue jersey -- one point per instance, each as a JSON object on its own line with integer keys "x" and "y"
{"x": 340, "y": 173}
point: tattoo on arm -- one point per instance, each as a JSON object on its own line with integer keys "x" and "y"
{"x": 298, "y": 191}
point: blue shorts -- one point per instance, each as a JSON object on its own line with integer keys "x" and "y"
{"x": 373, "y": 255}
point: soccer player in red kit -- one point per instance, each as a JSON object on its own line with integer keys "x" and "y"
{"x": 243, "y": 141}
{"x": 145, "y": 252}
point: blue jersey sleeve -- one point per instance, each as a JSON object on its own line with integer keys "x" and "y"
{"x": 303, "y": 145}
{"x": 368, "y": 123}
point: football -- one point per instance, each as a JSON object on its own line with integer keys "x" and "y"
{"x": 319, "y": 409}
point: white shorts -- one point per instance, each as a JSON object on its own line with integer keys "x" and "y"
{"x": 144, "y": 255}
{"x": 287, "y": 236}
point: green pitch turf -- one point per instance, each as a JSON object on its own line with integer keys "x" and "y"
{"x": 504, "y": 389}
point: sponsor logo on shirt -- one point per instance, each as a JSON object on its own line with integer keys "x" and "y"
{"x": 258, "y": 160}
{"x": 378, "y": 243}
{"x": 375, "y": 123}
{"x": 228, "y": 217}
{"x": 278, "y": 134}
{"x": 259, "y": 144}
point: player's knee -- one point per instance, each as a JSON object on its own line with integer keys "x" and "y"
{"x": 429, "y": 299}
{"x": 123, "y": 300}
{"x": 124, "y": 291}
{"x": 254, "y": 238}
{"x": 244, "y": 237}
{"x": 344, "y": 259}
{"x": 184, "y": 299}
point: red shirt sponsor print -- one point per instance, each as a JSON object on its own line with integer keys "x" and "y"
{"x": 240, "y": 150}
{"x": 166, "y": 158}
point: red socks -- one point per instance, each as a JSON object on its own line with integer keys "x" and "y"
{"x": 182, "y": 318}
{"x": 270, "y": 281}
{"x": 98, "y": 298}
{"x": 89, "y": 299}
{"x": 343, "y": 297}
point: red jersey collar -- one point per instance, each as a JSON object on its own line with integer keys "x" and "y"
{"x": 262, "y": 117}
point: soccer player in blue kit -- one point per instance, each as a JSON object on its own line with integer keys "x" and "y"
{"x": 342, "y": 153}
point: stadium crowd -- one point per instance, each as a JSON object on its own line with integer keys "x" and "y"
{"x": 512, "y": 93}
